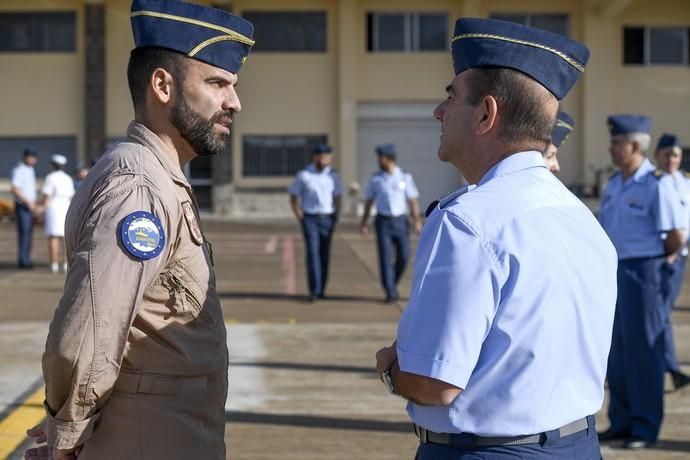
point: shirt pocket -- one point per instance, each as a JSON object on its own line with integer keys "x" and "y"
{"x": 184, "y": 296}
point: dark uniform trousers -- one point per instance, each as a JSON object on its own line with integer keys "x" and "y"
{"x": 676, "y": 283}
{"x": 392, "y": 233}
{"x": 317, "y": 230}
{"x": 25, "y": 224}
{"x": 636, "y": 362}
{"x": 583, "y": 445}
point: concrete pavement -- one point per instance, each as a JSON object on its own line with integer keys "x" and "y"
{"x": 302, "y": 384}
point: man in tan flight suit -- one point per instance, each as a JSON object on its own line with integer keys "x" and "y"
{"x": 136, "y": 360}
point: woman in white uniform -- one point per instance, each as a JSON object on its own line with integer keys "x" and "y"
{"x": 57, "y": 191}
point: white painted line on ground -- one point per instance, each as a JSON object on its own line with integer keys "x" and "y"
{"x": 246, "y": 385}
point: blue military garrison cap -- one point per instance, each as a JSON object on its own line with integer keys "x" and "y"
{"x": 210, "y": 35}
{"x": 318, "y": 149}
{"x": 564, "y": 126}
{"x": 387, "y": 150}
{"x": 556, "y": 62}
{"x": 626, "y": 123}
{"x": 668, "y": 141}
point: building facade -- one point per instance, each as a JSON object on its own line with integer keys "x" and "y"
{"x": 354, "y": 73}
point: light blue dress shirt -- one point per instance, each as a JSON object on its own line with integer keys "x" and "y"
{"x": 682, "y": 186}
{"x": 316, "y": 189}
{"x": 635, "y": 214}
{"x": 24, "y": 178}
{"x": 512, "y": 300}
{"x": 391, "y": 192}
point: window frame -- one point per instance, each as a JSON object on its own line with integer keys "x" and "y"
{"x": 309, "y": 139}
{"x": 530, "y": 15}
{"x": 32, "y": 21}
{"x": 324, "y": 13}
{"x": 647, "y": 46}
{"x": 411, "y": 31}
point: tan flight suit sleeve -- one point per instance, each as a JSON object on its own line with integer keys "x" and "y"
{"x": 90, "y": 327}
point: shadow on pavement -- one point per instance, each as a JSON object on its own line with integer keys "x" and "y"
{"x": 314, "y": 421}
{"x": 295, "y": 297}
{"x": 308, "y": 367}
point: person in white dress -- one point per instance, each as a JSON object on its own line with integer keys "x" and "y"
{"x": 57, "y": 193}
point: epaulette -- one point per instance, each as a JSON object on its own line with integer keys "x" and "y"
{"x": 659, "y": 173}
{"x": 685, "y": 174}
{"x": 431, "y": 208}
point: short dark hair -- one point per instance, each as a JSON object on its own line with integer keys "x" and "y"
{"x": 522, "y": 106}
{"x": 142, "y": 63}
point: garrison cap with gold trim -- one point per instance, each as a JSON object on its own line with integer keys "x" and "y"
{"x": 564, "y": 126}
{"x": 210, "y": 35}
{"x": 553, "y": 60}
{"x": 629, "y": 123}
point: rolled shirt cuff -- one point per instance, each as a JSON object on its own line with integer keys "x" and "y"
{"x": 68, "y": 435}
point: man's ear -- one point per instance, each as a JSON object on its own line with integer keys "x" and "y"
{"x": 161, "y": 85}
{"x": 486, "y": 113}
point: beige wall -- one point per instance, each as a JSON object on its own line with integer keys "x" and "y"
{"x": 118, "y": 43}
{"x": 287, "y": 93}
{"x": 317, "y": 93}
{"x": 403, "y": 77}
{"x": 42, "y": 93}
{"x": 662, "y": 92}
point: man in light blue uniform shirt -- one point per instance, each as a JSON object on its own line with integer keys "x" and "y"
{"x": 644, "y": 219}
{"x": 502, "y": 348}
{"x": 395, "y": 194}
{"x": 669, "y": 156}
{"x": 315, "y": 200}
{"x": 23, "y": 183}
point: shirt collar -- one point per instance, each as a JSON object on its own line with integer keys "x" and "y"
{"x": 644, "y": 168}
{"x": 513, "y": 163}
{"x": 155, "y": 144}
{"x": 312, "y": 168}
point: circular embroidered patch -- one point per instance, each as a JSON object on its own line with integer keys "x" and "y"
{"x": 142, "y": 235}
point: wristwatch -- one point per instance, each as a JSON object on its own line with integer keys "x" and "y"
{"x": 388, "y": 381}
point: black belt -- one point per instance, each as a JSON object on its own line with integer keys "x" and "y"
{"x": 471, "y": 440}
{"x": 383, "y": 216}
{"x": 320, "y": 216}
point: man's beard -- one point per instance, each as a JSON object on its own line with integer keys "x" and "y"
{"x": 197, "y": 130}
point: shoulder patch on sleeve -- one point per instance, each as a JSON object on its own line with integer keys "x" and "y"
{"x": 142, "y": 235}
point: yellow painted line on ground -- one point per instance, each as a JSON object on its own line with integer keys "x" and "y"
{"x": 13, "y": 427}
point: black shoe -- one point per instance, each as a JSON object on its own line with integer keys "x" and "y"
{"x": 611, "y": 435}
{"x": 679, "y": 380}
{"x": 392, "y": 298}
{"x": 637, "y": 443}
{"x": 311, "y": 298}
{"x": 321, "y": 296}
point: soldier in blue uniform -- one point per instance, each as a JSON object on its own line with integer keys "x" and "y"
{"x": 564, "y": 126}
{"x": 668, "y": 156}
{"x": 315, "y": 200}
{"x": 501, "y": 350}
{"x": 644, "y": 219}
{"x": 395, "y": 194}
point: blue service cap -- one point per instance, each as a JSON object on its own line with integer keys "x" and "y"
{"x": 30, "y": 150}
{"x": 668, "y": 141}
{"x": 564, "y": 126}
{"x": 321, "y": 148}
{"x": 386, "y": 150}
{"x": 626, "y": 123}
{"x": 553, "y": 60}
{"x": 210, "y": 35}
